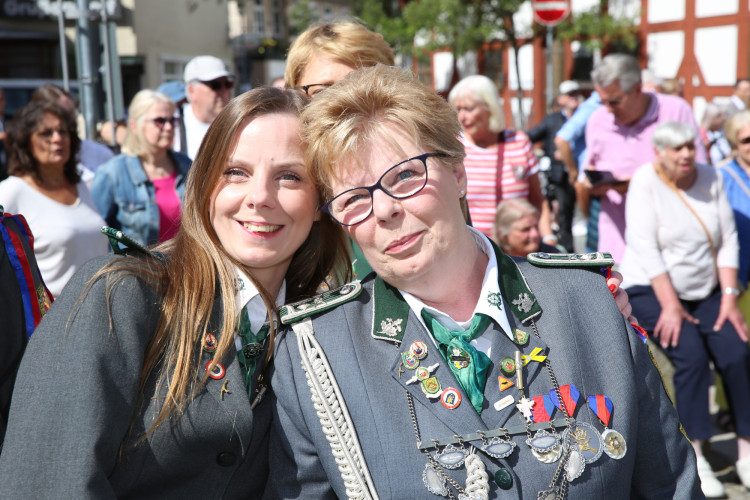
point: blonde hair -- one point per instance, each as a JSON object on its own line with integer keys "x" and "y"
{"x": 356, "y": 109}
{"x": 196, "y": 268}
{"x": 348, "y": 42}
{"x": 733, "y": 125}
{"x": 142, "y": 102}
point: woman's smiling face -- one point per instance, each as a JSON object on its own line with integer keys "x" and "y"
{"x": 265, "y": 203}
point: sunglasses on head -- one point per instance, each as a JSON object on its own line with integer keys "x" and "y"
{"x": 219, "y": 84}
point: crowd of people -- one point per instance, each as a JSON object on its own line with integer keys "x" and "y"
{"x": 292, "y": 304}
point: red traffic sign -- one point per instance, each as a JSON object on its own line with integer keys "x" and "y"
{"x": 550, "y": 12}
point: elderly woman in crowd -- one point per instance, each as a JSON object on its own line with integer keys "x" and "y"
{"x": 711, "y": 132}
{"x": 680, "y": 268}
{"x": 736, "y": 176}
{"x": 45, "y": 186}
{"x": 140, "y": 191}
{"x": 441, "y": 373}
{"x": 516, "y": 228}
{"x": 500, "y": 163}
{"x": 146, "y": 378}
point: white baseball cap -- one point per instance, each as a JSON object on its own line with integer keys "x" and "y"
{"x": 568, "y": 87}
{"x": 205, "y": 69}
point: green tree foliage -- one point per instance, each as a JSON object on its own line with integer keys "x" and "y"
{"x": 597, "y": 29}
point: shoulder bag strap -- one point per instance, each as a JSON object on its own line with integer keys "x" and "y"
{"x": 679, "y": 194}
{"x": 730, "y": 171}
{"x": 499, "y": 169}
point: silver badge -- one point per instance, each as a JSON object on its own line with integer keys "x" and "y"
{"x": 452, "y": 457}
{"x": 498, "y": 447}
{"x": 523, "y": 302}
{"x": 575, "y": 465}
{"x": 614, "y": 444}
{"x": 588, "y": 440}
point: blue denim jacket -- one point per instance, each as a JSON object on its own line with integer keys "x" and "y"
{"x": 126, "y": 199}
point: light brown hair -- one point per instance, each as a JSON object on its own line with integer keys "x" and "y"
{"x": 196, "y": 267}
{"x": 349, "y": 42}
{"x": 733, "y": 125}
{"x": 354, "y": 110}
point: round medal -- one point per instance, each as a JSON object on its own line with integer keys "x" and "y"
{"x": 588, "y": 440}
{"x": 217, "y": 372}
{"x": 418, "y": 349}
{"x": 521, "y": 337}
{"x": 451, "y": 398}
{"x": 209, "y": 342}
{"x": 508, "y": 366}
{"x": 614, "y": 444}
{"x": 422, "y": 373}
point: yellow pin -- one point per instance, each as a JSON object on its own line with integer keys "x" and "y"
{"x": 534, "y": 356}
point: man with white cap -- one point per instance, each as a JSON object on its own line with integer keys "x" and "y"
{"x": 209, "y": 88}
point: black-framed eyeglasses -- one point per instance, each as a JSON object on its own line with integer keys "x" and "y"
{"x": 401, "y": 181}
{"x": 313, "y": 89}
{"x": 160, "y": 121}
{"x": 219, "y": 84}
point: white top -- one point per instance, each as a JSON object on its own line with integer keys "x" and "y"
{"x": 662, "y": 235}
{"x": 65, "y": 236}
{"x": 490, "y": 285}
{"x": 194, "y": 132}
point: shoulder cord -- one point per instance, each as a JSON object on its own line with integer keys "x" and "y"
{"x": 678, "y": 192}
{"x": 333, "y": 414}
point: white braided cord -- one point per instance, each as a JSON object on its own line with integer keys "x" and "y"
{"x": 477, "y": 480}
{"x": 333, "y": 414}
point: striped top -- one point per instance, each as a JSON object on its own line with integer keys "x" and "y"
{"x": 519, "y": 163}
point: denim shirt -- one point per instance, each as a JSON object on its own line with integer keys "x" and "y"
{"x": 126, "y": 199}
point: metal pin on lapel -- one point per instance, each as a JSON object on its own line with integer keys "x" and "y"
{"x": 519, "y": 371}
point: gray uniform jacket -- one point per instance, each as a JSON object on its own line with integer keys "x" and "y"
{"x": 588, "y": 344}
{"x": 76, "y": 394}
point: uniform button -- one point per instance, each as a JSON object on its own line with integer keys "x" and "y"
{"x": 226, "y": 458}
{"x": 503, "y": 478}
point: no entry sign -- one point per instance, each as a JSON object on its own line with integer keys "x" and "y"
{"x": 550, "y": 12}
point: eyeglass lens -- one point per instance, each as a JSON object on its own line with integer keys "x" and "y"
{"x": 221, "y": 83}
{"x": 744, "y": 140}
{"x": 400, "y": 181}
{"x": 163, "y": 120}
{"x": 314, "y": 88}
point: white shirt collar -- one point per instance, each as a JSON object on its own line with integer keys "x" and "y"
{"x": 490, "y": 300}
{"x": 249, "y": 297}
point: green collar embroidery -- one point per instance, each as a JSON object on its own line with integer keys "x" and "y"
{"x": 390, "y": 312}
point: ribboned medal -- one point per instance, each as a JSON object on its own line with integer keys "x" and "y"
{"x": 570, "y": 396}
{"x": 587, "y": 439}
{"x": 613, "y": 442}
{"x": 543, "y": 408}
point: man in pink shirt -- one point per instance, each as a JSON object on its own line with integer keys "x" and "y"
{"x": 618, "y": 138}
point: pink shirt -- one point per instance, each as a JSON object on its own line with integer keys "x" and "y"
{"x": 169, "y": 206}
{"x": 621, "y": 149}
{"x": 519, "y": 163}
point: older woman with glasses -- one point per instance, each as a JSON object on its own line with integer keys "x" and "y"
{"x": 455, "y": 370}
{"x": 140, "y": 191}
{"x": 45, "y": 186}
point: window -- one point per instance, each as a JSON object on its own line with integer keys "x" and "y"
{"x": 259, "y": 17}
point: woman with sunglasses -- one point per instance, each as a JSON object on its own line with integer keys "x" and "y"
{"x": 454, "y": 370}
{"x": 140, "y": 191}
{"x": 146, "y": 377}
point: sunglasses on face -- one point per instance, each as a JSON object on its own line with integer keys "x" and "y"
{"x": 219, "y": 84}
{"x": 49, "y": 132}
{"x": 744, "y": 141}
{"x": 160, "y": 121}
